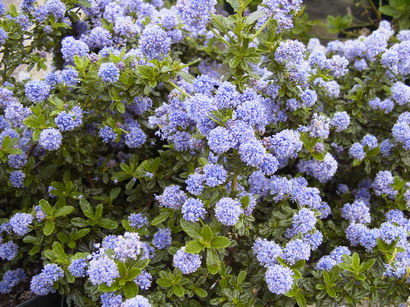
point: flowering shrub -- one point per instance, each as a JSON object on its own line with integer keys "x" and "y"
{"x": 175, "y": 155}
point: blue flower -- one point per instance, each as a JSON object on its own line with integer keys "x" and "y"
{"x": 340, "y": 121}
{"x": 356, "y": 151}
{"x": 71, "y": 47}
{"x": 227, "y": 211}
{"x": 266, "y": 252}
{"x": 3, "y": 36}
{"x": 195, "y": 183}
{"x": 290, "y": 52}
{"x": 37, "y": 90}
{"x": 172, "y": 197}
{"x": 144, "y": 280}
{"x": 302, "y": 222}
{"x": 252, "y": 153}
{"x": 108, "y": 72}
{"x": 214, "y": 175}
{"x": 67, "y": 121}
{"x": 357, "y": 212}
{"x": 11, "y": 278}
{"x": 195, "y": 14}
{"x": 50, "y": 139}
{"x": 17, "y": 179}
{"x": 127, "y": 246}
{"x": 154, "y": 42}
{"x": 162, "y": 238}
{"x": 42, "y": 284}
{"x": 193, "y": 210}
{"x": 285, "y": 144}
{"x": 383, "y": 184}
{"x": 137, "y": 220}
{"x": 220, "y": 140}
{"x": 20, "y": 222}
{"x": 55, "y": 8}
{"x": 102, "y": 270}
{"x": 187, "y": 263}
{"x": 296, "y": 250}
{"x": 109, "y": 299}
{"x": 370, "y": 141}
{"x": 279, "y": 279}
{"x": 137, "y": 301}
{"x": 107, "y": 134}
{"x": 8, "y": 250}
{"x": 135, "y": 138}
{"x": 78, "y": 267}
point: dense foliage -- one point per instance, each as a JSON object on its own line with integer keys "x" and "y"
{"x": 176, "y": 155}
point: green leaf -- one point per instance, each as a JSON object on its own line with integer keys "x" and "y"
{"x": 30, "y": 239}
{"x": 46, "y": 207}
{"x": 164, "y": 282}
{"x": 388, "y": 10}
{"x": 178, "y": 290}
{"x": 297, "y": 274}
{"x": 320, "y": 156}
{"x": 357, "y": 162}
{"x": 300, "y": 299}
{"x": 35, "y": 249}
{"x": 120, "y": 107}
{"x": 200, "y": 292}
{"x": 66, "y": 210}
{"x": 122, "y": 269}
{"x": 235, "y": 4}
{"x": 191, "y": 229}
{"x": 160, "y": 218}
{"x": 367, "y": 265}
{"x": 48, "y": 227}
{"x": 212, "y": 261}
{"x": 81, "y": 233}
{"x": 355, "y": 262}
{"x": 114, "y": 193}
{"x": 255, "y": 16}
{"x": 130, "y": 289}
{"x": 320, "y": 286}
{"x": 374, "y": 152}
{"x": 220, "y": 242}
{"x": 79, "y": 222}
{"x": 331, "y": 292}
{"x": 133, "y": 273}
{"x": 194, "y": 247}
{"x": 86, "y": 208}
{"x": 58, "y": 251}
{"x": 98, "y": 211}
{"x": 107, "y": 224}
{"x": 241, "y": 277}
{"x": 207, "y": 233}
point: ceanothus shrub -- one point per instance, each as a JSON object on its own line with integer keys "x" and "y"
{"x": 173, "y": 155}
